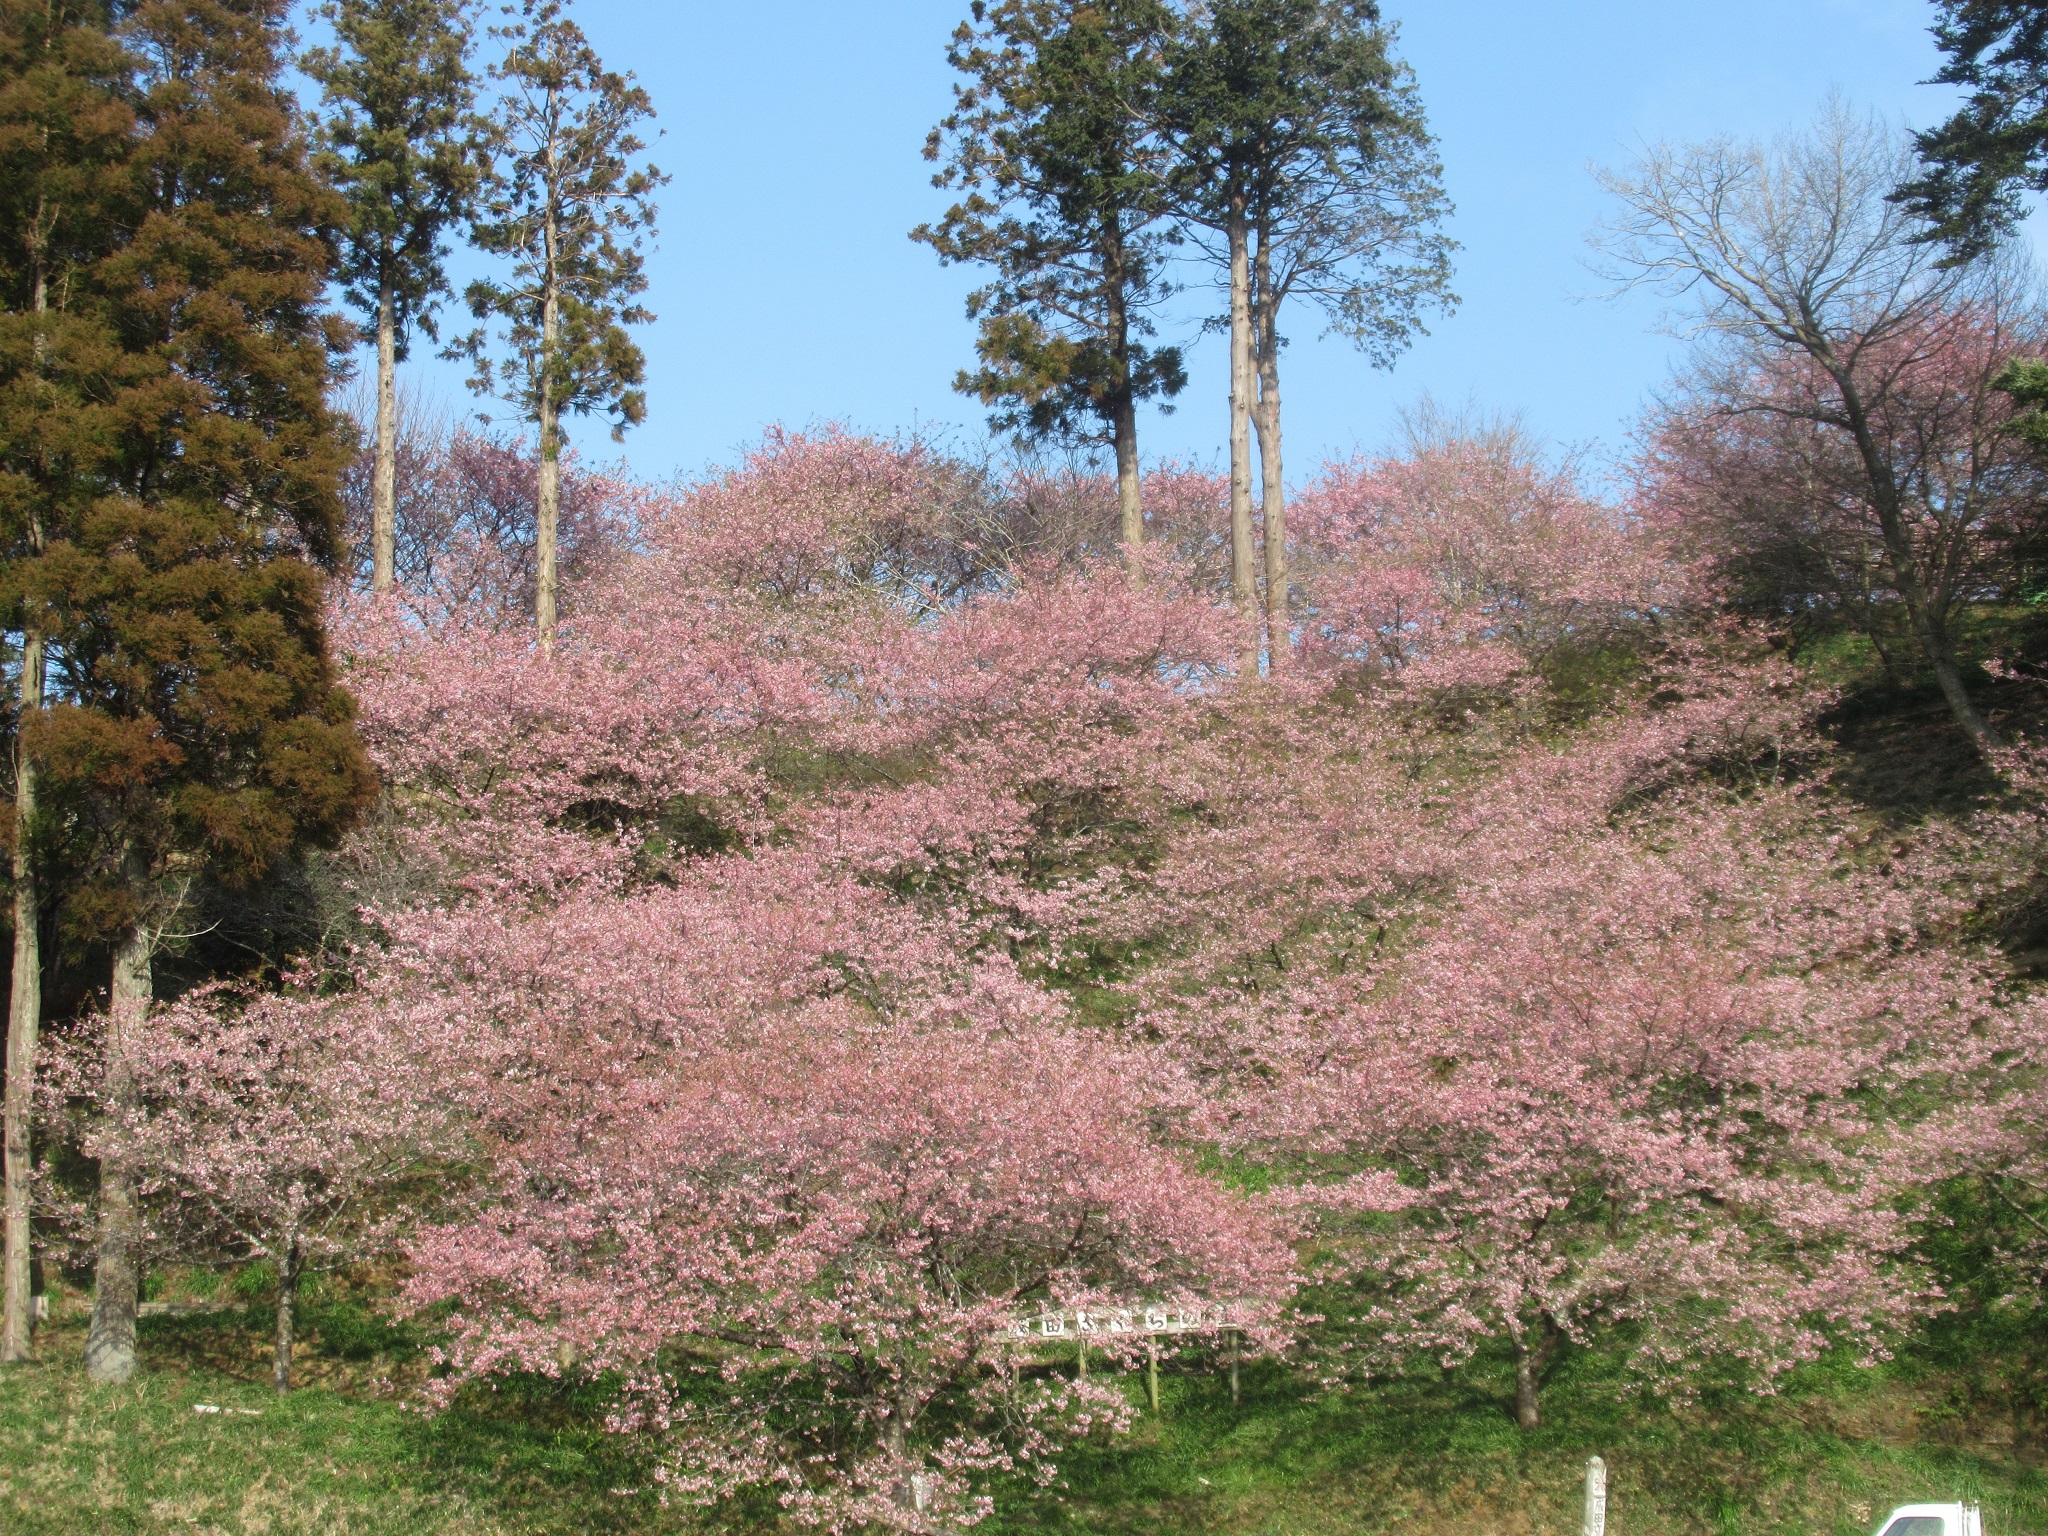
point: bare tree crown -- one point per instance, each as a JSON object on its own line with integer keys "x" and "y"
{"x": 1793, "y": 242}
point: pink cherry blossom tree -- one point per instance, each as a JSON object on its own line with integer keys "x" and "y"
{"x": 783, "y": 1114}
{"x": 741, "y": 942}
{"x": 1471, "y": 546}
{"x": 768, "y": 1143}
{"x": 1754, "y": 473}
{"x": 278, "y": 1127}
{"x": 1636, "y": 1041}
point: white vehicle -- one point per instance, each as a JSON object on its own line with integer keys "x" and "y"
{"x": 1933, "y": 1520}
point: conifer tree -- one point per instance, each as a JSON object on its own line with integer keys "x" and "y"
{"x": 194, "y": 729}
{"x": 567, "y": 206}
{"x": 397, "y": 142}
{"x": 63, "y": 132}
{"x": 1994, "y": 147}
{"x": 1301, "y": 147}
{"x": 1052, "y": 142}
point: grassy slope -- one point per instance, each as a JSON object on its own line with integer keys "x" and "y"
{"x": 1829, "y": 1457}
{"x": 344, "y": 1456}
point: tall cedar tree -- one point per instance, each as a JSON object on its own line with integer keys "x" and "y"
{"x": 1051, "y": 140}
{"x": 64, "y": 130}
{"x": 1996, "y": 145}
{"x": 1300, "y": 147}
{"x": 397, "y": 142}
{"x": 565, "y": 203}
{"x": 194, "y": 730}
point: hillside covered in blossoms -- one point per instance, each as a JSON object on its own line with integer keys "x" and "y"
{"x": 911, "y": 983}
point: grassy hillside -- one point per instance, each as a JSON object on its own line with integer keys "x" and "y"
{"x": 1961, "y": 1416}
{"x": 345, "y": 1455}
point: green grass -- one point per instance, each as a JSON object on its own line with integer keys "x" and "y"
{"x": 1830, "y": 1455}
{"x": 346, "y": 1455}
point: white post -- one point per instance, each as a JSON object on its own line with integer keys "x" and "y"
{"x": 1596, "y": 1498}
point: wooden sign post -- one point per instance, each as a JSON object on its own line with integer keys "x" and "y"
{"x": 1149, "y": 1321}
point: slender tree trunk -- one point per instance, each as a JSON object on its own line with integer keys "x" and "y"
{"x": 1930, "y": 626}
{"x": 550, "y": 519}
{"x": 1931, "y": 630}
{"x": 384, "y": 486}
{"x": 25, "y": 1001}
{"x": 550, "y": 509}
{"x": 117, "y": 1280}
{"x": 24, "y": 1021}
{"x": 1243, "y": 580}
{"x": 1266, "y": 416}
{"x": 910, "y": 1494}
{"x": 1123, "y": 419}
{"x": 287, "y": 1308}
{"x": 1129, "y": 495}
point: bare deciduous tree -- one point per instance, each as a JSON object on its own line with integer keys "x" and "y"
{"x": 1795, "y": 264}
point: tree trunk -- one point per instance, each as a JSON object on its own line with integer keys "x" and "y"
{"x": 1123, "y": 418}
{"x": 1932, "y": 632}
{"x": 549, "y": 417}
{"x": 1525, "y": 1391}
{"x": 1531, "y": 1362}
{"x": 550, "y": 520}
{"x": 287, "y": 1306}
{"x": 910, "y": 1496}
{"x": 1243, "y": 581}
{"x": 1928, "y": 619}
{"x": 384, "y": 486}
{"x": 549, "y": 410}
{"x": 25, "y": 1001}
{"x": 1266, "y": 416}
{"x": 110, "y": 1341}
{"x": 24, "y": 1023}
{"x": 1129, "y": 495}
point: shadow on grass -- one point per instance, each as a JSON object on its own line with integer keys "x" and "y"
{"x": 1832, "y": 1452}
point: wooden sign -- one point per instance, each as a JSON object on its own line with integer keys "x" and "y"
{"x": 1135, "y": 1322}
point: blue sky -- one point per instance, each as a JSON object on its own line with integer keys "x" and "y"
{"x": 787, "y": 290}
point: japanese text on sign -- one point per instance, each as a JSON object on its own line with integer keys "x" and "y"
{"x": 1125, "y": 1322}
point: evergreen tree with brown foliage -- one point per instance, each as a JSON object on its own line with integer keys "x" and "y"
{"x": 193, "y": 729}
{"x": 64, "y": 134}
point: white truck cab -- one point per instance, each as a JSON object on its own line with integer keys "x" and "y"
{"x": 1933, "y": 1520}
